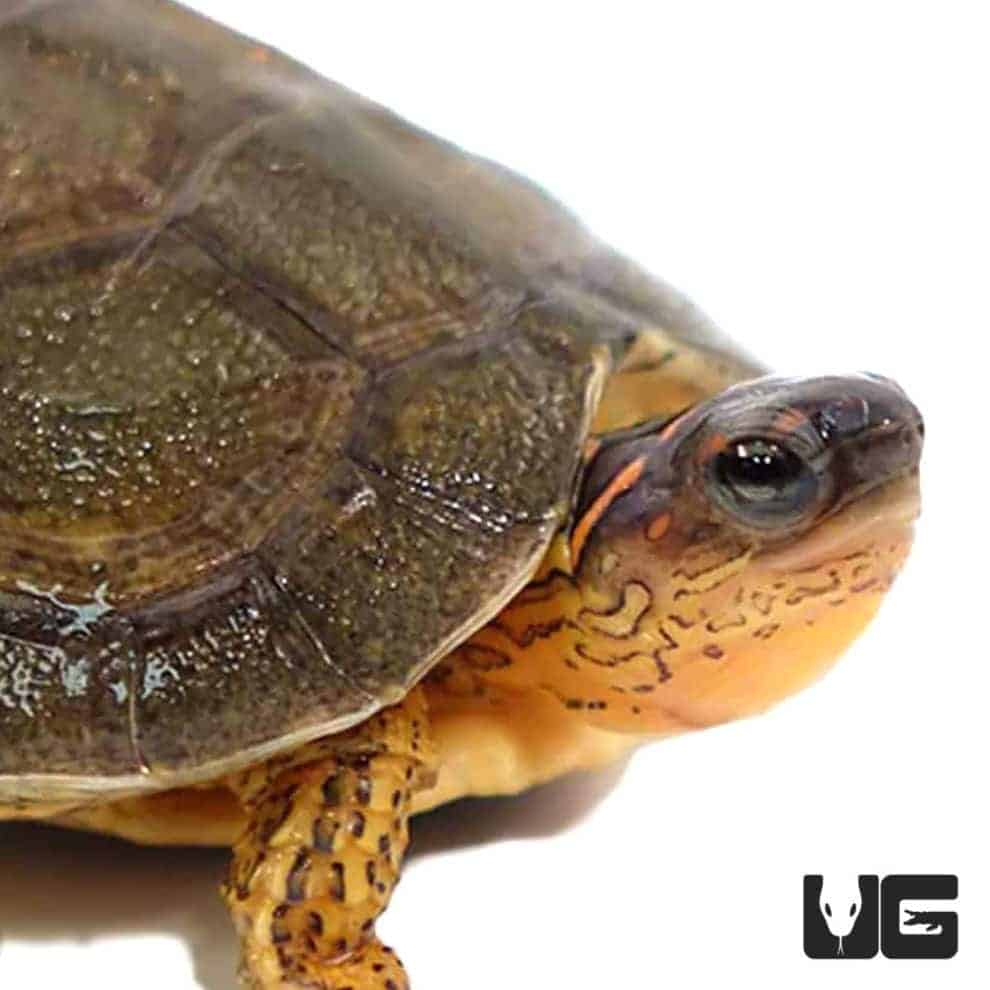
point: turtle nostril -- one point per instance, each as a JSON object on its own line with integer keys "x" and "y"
{"x": 913, "y": 437}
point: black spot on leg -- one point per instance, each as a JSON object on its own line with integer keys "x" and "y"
{"x": 295, "y": 882}
{"x": 331, "y": 790}
{"x": 338, "y": 890}
{"x": 324, "y": 834}
{"x": 279, "y": 933}
{"x": 357, "y": 825}
{"x": 270, "y": 824}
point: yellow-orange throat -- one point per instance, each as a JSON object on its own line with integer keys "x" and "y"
{"x": 654, "y": 636}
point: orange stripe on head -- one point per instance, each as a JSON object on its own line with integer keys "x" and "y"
{"x": 658, "y": 526}
{"x": 670, "y": 429}
{"x": 621, "y": 482}
{"x": 591, "y": 447}
{"x": 715, "y": 444}
{"x": 789, "y": 420}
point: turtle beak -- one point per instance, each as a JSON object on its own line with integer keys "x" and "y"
{"x": 877, "y": 456}
{"x": 887, "y": 446}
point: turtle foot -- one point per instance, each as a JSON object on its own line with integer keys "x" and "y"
{"x": 372, "y": 967}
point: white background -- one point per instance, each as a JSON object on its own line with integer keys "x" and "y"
{"x": 815, "y": 176}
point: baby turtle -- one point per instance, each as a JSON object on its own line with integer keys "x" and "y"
{"x": 345, "y": 474}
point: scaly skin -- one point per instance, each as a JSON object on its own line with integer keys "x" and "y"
{"x": 320, "y": 856}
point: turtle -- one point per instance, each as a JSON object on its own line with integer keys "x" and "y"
{"x": 346, "y": 474}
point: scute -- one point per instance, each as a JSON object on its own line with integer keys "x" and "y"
{"x": 62, "y": 179}
{"x": 125, "y": 393}
{"x": 280, "y": 427}
{"x": 380, "y": 286}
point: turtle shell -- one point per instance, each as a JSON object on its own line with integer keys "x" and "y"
{"x": 293, "y": 396}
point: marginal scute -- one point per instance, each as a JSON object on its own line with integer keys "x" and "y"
{"x": 64, "y": 700}
{"x": 228, "y": 667}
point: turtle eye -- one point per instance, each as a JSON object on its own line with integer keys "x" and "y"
{"x": 763, "y": 482}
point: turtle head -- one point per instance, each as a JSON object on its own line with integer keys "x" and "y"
{"x": 725, "y": 558}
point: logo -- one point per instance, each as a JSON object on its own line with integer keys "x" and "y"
{"x": 904, "y": 917}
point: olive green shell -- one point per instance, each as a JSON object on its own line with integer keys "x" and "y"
{"x": 292, "y": 395}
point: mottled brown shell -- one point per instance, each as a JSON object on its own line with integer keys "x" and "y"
{"x": 292, "y": 395}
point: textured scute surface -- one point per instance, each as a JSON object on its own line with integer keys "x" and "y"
{"x": 279, "y": 427}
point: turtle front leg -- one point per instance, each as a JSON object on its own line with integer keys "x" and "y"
{"x": 321, "y": 853}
